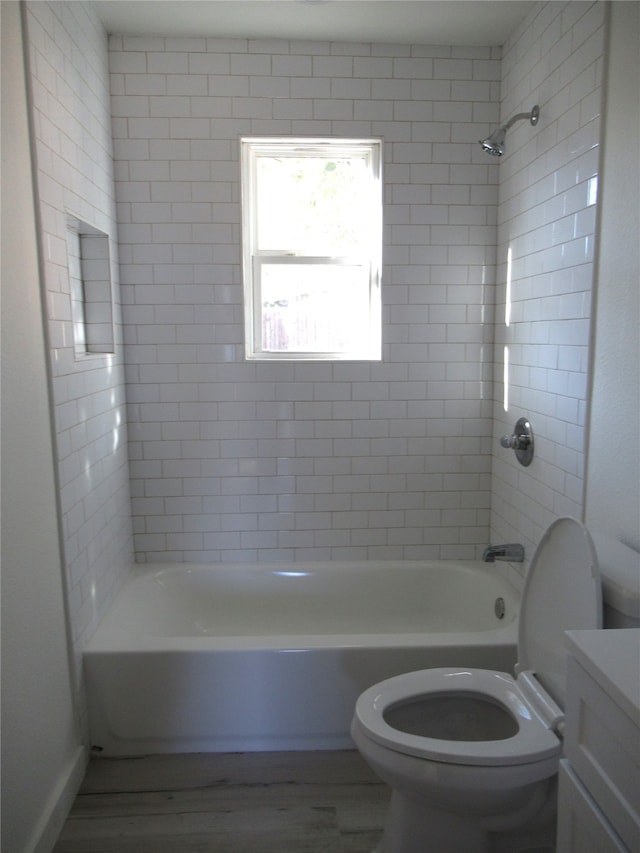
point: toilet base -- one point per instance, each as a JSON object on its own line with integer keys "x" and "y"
{"x": 413, "y": 826}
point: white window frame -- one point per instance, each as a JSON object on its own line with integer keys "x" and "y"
{"x": 254, "y": 260}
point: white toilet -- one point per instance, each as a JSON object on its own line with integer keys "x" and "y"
{"x": 472, "y": 755}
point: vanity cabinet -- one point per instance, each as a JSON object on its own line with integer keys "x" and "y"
{"x": 599, "y": 778}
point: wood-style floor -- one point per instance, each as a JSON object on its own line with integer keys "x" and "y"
{"x": 267, "y": 802}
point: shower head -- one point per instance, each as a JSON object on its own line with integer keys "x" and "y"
{"x": 495, "y": 144}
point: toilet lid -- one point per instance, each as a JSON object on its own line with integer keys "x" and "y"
{"x": 562, "y": 592}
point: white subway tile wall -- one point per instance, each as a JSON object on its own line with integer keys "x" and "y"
{"x": 234, "y": 460}
{"x": 71, "y": 115}
{"x": 547, "y": 211}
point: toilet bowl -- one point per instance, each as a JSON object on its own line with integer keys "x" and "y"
{"x": 472, "y": 755}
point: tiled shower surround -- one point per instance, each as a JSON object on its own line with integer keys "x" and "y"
{"x": 235, "y": 460}
{"x": 547, "y": 221}
{"x": 68, "y": 64}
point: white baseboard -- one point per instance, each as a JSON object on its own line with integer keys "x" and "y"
{"x": 59, "y": 804}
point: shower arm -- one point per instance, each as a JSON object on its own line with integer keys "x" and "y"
{"x": 533, "y": 116}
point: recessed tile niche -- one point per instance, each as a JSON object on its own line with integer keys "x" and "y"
{"x": 90, "y": 282}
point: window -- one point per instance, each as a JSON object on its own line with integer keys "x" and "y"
{"x": 312, "y": 237}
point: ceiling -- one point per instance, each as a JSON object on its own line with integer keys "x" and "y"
{"x": 443, "y": 22}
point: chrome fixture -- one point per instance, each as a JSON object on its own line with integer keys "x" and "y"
{"x": 495, "y": 144}
{"x": 521, "y": 441}
{"x": 512, "y": 553}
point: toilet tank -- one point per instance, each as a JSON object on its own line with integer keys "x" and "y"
{"x": 620, "y": 570}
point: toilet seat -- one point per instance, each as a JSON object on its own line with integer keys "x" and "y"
{"x": 534, "y": 741}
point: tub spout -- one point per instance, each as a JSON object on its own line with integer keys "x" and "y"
{"x": 512, "y": 553}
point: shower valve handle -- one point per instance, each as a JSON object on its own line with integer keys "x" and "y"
{"x": 521, "y": 441}
{"x": 515, "y": 442}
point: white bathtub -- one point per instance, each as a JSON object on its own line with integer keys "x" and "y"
{"x": 237, "y": 657}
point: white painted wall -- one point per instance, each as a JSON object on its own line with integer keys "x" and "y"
{"x": 613, "y": 481}
{"x": 42, "y": 756}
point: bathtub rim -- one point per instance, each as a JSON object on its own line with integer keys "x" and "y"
{"x": 105, "y": 641}
{"x": 112, "y": 637}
